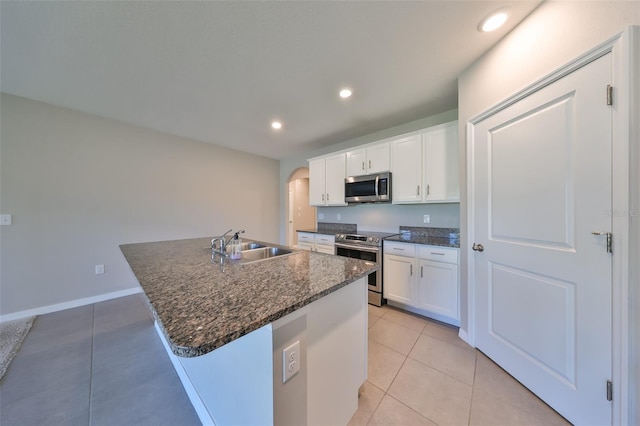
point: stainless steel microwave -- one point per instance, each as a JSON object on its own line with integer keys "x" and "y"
{"x": 374, "y": 188}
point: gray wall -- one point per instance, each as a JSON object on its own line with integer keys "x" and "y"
{"x": 388, "y": 217}
{"x": 553, "y": 35}
{"x": 78, "y": 185}
{"x": 378, "y": 216}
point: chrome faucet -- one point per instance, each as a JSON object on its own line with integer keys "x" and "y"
{"x": 223, "y": 242}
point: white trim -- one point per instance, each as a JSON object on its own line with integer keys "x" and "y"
{"x": 622, "y": 55}
{"x": 471, "y": 213}
{"x": 68, "y": 305}
{"x": 465, "y": 337}
{"x": 621, "y": 48}
{"x": 550, "y": 78}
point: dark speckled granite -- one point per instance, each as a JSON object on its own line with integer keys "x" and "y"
{"x": 200, "y": 307}
{"x": 443, "y": 237}
{"x": 332, "y": 228}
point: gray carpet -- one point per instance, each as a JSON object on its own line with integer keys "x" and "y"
{"x": 12, "y": 334}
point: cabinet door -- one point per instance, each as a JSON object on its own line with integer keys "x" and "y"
{"x": 356, "y": 163}
{"x": 303, "y": 245}
{"x": 438, "y": 288}
{"x": 317, "y": 182}
{"x": 334, "y": 178}
{"x": 378, "y": 158}
{"x": 326, "y": 249}
{"x": 406, "y": 167}
{"x": 440, "y": 149}
{"x": 398, "y": 278}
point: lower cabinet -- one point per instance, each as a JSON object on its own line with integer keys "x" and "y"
{"x": 422, "y": 279}
{"x": 322, "y": 243}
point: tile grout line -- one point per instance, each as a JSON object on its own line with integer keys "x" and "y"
{"x": 473, "y": 387}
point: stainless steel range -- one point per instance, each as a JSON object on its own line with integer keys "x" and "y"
{"x": 365, "y": 246}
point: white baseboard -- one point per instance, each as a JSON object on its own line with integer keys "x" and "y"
{"x": 67, "y": 305}
{"x": 464, "y": 336}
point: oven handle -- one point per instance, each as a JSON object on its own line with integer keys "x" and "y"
{"x": 359, "y": 248}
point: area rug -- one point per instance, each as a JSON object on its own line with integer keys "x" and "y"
{"x": 12, "y": 334}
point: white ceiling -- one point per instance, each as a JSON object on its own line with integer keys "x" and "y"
{"x": 220, "y": 72}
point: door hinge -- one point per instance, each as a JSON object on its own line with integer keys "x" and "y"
{"x": 609, "y": 94}
{"x": 609, "y": 237}
{"x": 609, "y": 390}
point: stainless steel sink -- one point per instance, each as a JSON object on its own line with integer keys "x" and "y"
{"x": 251, "y": 245}
{"x": 263, "y": 253}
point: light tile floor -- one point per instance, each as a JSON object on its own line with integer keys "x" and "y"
{"x": 422, "y": 373}
{"x": 104, "y": 364}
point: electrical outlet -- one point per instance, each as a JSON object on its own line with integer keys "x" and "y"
{"x": 99, "y": 269}
{"x": 5, "y": 219}
{"x": 320, "y": 216}
{"x": 290, "y": 361}
{"x": 338, "y": 216}
{"x": 427, "y": 218}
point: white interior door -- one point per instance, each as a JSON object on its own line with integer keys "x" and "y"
{"x": 542, "y": 186}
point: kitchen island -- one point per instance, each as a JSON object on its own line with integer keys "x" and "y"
{"x": 226, "y": 328}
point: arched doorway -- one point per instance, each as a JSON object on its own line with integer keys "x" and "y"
{"x": 299, "y": 214}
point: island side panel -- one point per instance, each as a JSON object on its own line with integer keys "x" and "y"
{"x": 336, "y": 354}
{"x": 235, "y": 382}
{"x": 290, "y": 398}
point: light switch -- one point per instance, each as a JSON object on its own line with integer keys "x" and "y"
{"x": 5, "y": 219}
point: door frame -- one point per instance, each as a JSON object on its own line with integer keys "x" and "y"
{"x": 621, "y": 48}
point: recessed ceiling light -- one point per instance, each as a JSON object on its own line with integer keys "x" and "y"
{"x": 345, "y": 93}
{"x": 493, "y": 21}
{"x": 276, "y": 125}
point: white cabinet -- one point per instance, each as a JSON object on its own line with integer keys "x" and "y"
{"x": 438, "y": 282}
{"x": 399, "y": 284}
{"x": 306, "y": 241}
{"x": 326, "y": 181}
{"x": 372, "y": 159}
{"x": 321, "y": 243}
{"x": 425, "y": 166}
{"x": 422, "y": 279}
{"x": 406, "y": 169}
{"x": 440, "y": 164}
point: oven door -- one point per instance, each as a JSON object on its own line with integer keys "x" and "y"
{"x": 371, "y": 254}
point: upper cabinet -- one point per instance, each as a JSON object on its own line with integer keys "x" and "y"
{"x": 440, "y": 164}
{"x": 425, "y": 166}
{"x": 406, "y": 178}
{"x": 372, "y": 159}
{"x": 326, "y": 181}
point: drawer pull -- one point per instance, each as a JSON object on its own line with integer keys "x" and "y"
{"x": 439, "y": 254}
{"x": 397, "y": 248}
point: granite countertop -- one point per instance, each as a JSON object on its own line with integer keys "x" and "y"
{"x": 200, "y": 307}
{"x": 443, "y": 237}
{"x": 332, "y": 228}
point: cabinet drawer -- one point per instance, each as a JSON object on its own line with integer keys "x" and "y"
{"x": 325, "y": 239}
{"x": 308, "y": 238}
{"x": 400, "y": 249}
{"x": 438, "y": 254}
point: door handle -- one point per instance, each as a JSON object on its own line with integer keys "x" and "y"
{"x": 477, "y": 247}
